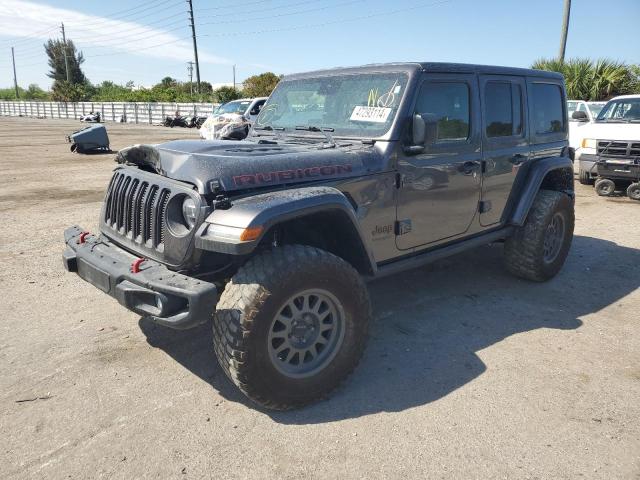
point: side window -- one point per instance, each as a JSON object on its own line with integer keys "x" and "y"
{"x": 547, "y": 108}
{"x": 503, "y": 109}
{"x": 581, "y": 108}
{"x": 257, "y": 107}
{"x": 498, "y": 109}
{"x": 449, "y": 102}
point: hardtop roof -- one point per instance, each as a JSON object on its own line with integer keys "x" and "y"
{"x": 436, "y": 67}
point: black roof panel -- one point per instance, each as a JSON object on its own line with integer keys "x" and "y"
{"x": 431, "y": 67}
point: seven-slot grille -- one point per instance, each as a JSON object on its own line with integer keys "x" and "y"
{"x": 135, "y": 208}
{"x": 617, "y": 148}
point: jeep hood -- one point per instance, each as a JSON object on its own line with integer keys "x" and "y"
{"x": 235, "y": 165}
{"x": 612, "y": 131}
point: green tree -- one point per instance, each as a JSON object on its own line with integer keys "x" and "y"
{"x": 167, "y": 82}
{"x": 226, "y": 94}
{"x": 34, "y": 92}
{"x": 588, "y": 80}
{"x": 63, "y": 91}
{"x": 55, "y": 51}
{"x": 260, "y": 85}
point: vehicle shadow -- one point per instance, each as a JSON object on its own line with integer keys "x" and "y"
{"x": 430, "y": 322}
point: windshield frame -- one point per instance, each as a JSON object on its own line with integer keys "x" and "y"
{"x": 412, "y": 72}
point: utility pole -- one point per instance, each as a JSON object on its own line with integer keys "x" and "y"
{"x": 234, "y": 77}
{"x": 195, "y": 45}
{"x": 565, "y": 30}
{"x": 190, "y": 70}
{"x": 15, "y": 79}
{"x": 66, "y": 60}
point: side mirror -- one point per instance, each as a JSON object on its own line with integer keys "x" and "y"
{"x": 424, "y": 132}
{"x": 580, "y": 116}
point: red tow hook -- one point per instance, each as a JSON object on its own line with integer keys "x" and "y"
{"x": 82, "y": 237}
{"x": 135, "y": 265}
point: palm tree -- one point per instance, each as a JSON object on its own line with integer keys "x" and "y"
{"x": 586, "y": 80}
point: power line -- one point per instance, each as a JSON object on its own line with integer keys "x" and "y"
{"x": 141, "y": 25}
{"x": 253, "y": 10}
{"x": 109, "y": 18}
{"x": 141, "y": 48}
{"x": 287, "y": 14}
{"x": 232, "y": 5}
{"x": 134, "y": 37}
{"x": 28, "y": 37}
{"x": 324, "y": 24}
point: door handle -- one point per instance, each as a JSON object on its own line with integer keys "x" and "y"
{"x": 518, "y": 159}
{"x": 469, "y": 167}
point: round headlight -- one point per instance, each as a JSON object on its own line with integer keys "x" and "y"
{"x": 189, "y": 211}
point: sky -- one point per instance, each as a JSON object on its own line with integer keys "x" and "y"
{"x": 147, "y": 40}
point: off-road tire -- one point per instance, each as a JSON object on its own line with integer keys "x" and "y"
{"x": 524, "y": 250}
{"x": 251, "y": 300}
{"x": 633, "y": 191}
{"x": 605, "y": 187}
{"x": 584, "y": 177}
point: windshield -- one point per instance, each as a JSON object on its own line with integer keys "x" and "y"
{"x": 234, "y": 107}
{"x": 621, "y": 110}
{"x": 596, "y": 108}
{"x": 571, "y": 107}
{"x": 361, "y": 105}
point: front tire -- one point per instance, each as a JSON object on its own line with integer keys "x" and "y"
{"x": 291, "y": 325}
{"x": 539, "y": 248}
{"x": 584, "y": 177}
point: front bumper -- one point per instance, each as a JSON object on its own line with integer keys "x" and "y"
{"x": 166, "y": 297}
{"x": 587, "y": 163}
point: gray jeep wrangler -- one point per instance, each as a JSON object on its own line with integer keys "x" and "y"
{"x": 347, "y": 175}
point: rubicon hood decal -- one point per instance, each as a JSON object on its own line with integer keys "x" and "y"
{"x": 233, "y": 165}
{"x": 283, "y": 176}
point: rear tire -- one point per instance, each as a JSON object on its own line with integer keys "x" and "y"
{"x": 539, "y": 248}
{"x": 584, "y": 177}
{"x": 291, "y": 301}
{"x": 605, "y": 187}
{"x": 633, "y": 191}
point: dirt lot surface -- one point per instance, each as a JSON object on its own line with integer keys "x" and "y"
{"x": 469, "y": 373}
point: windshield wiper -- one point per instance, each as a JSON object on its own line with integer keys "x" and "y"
{"x": 269, "y": 128}
{"x": 324, "y": 130}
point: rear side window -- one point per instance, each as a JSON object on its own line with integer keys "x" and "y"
{"x": 547, "y": 108}
{"x": 449, "y": 102}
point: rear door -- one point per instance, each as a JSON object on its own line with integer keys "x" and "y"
{"x": 505, "y": 141}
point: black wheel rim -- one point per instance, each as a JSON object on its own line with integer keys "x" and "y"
{"x": 306, "y": 334}
{"x": 553, "y": 237}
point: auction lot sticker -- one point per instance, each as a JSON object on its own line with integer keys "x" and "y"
{"x": 370, "y": 114}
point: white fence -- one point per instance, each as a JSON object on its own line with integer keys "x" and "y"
{"x": 130, "y": 112}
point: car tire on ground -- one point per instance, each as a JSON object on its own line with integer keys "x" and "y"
{"x": 605, "y": 187}
{"x": 539, "y": 248}
{"x": 584, "y": 177}
{"x": 291, "y": 325}
{"x": 633, "y": 191}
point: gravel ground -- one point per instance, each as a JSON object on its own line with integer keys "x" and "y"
{"x": 469, "y": 373}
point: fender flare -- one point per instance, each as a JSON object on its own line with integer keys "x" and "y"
{"x": 221, "y": 230}
{"x": 535, "y": 176}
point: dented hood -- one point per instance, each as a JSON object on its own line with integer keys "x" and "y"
{"x": 230, "y": 165}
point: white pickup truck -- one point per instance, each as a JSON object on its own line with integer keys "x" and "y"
{"x": 615, "y": 133}
{"x": 576, "y": 126}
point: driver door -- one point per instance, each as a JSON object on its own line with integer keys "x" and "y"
{"x": 440, "y": 187}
